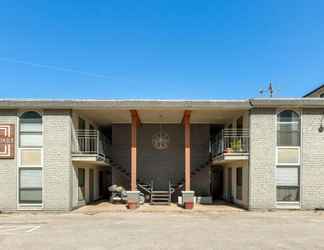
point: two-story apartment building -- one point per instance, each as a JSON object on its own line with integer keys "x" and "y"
{"x": 258, "y": 153}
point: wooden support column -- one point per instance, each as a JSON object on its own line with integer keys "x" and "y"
{"x": 135, "y": 124}
{"x": 186, "y": 122}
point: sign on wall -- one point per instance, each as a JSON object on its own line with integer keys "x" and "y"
{"x": 7, "y": 141}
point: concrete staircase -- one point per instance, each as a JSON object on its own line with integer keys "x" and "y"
{"x": 160, "y": 198}
{"x": 197, "y": 170}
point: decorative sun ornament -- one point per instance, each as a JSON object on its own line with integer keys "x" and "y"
{"x": 161, "y": 139}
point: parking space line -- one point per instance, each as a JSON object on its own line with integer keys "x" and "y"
{"x": 18, "y": 229}
{"x": 33, "y": 229}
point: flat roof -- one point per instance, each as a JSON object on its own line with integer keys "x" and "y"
{"x": 152, "y": 104}
{"x": 123, "y": 104}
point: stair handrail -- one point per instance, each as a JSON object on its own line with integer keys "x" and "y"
{"x": 147, "y": 190}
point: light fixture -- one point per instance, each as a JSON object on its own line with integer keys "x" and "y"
{"x": 321, "y": 128}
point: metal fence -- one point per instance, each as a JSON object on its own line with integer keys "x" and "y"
{"x": 231, "y": 141}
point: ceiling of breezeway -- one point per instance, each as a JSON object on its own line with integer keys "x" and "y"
{"x": 107, "y": 117}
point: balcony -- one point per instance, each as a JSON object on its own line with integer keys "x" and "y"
{"x": 231, "y": 145}
{"x": 90, "y": 146}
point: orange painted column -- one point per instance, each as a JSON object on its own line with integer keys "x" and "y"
{"x": 134, "y": 152}
{"x": 187, "y": 150}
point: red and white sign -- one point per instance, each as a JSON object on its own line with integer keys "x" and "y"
{"x": 7, "y": 141}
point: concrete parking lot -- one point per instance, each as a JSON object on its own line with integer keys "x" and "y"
{"x": 163, "y": 230}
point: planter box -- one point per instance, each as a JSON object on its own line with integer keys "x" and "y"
{"x": 133, "y": 196}
{"x": 198, "y": 200}
{"x": 188, "y": 196}
{"x": 203, "y": 199}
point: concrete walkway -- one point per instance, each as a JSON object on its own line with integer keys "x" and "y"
{"x": 107, "y": 207}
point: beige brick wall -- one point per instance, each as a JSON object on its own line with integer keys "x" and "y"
{"x": 262, "y": 159}
{"x": 312, "y": 171}
{"x": 57, "y": 160}
{"x": 8, "y": 170}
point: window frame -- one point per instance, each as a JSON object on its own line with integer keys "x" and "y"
{"x": 20, "y": 132}
{"x": 36, "y": 203}
{"x": 289, "y": 204}
{"x": 283, "y": 186}
{"x": 29, "y": 206}
{"x": 287, "y": 164}
{"x": 280, "y": 122}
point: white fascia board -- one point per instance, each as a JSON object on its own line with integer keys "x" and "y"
{"x": 90, "y": 104}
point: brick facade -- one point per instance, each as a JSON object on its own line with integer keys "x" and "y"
{"x": 8, "y": 170}
{"x": 312, "y": 170}
{"x": 57, "y": 160}
{"x": 262, "y": 159}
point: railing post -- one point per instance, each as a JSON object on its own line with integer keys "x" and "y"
{"x": 98, "y": 142}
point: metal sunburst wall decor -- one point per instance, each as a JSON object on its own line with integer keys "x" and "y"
{"x": 161, "y": 139}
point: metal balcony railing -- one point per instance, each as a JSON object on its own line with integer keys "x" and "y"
{"x": 90, "y": 142}
{"x": 231, "y": 141}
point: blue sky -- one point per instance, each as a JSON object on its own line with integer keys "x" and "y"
{"x": 160, "y": 49}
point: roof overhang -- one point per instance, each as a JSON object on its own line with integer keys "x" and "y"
{"x": 90, "y": 104}
{"x": 287, "y": 102}
{"x": 116, "y": 104}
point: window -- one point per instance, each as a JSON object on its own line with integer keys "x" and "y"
{"x": 30, "y": 157}
{"x": 239, "y": 182}
{"x": 322, "y": 95}
{"x": 288, "y": 156}
{"x": 82, "y": 124}
{"x": 30, "y": 185}
{"x": 287, "y": 180}
{"x": 30, "y": 129}
{"x": 288, "y": 129}
{"x": 81, "y": 183}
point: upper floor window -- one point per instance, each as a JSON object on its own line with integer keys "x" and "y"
{"x": 30, "y": 129}
{"x": 322, "y": 95}
{"x": 288, "y": 128}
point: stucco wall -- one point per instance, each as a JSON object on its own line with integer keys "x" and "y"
{"x": 262, "y": 159}
{"x": 57, "y": 160}
{"x": 312, "y": 170}
{"x": 8, "y": 170}
{"x": 121, "y": 134}
{"x": 200, "y": 182}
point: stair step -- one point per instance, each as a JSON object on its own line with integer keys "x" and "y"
{"x": 160, "y": 203}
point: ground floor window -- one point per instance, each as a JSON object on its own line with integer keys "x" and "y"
{"x": 30, "y": 185}
{"x": 287, "y": 181}
{"x": 239, "y": 183}
{"x": 81, "y": 183}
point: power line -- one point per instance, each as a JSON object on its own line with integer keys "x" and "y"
{"x": 38, "y": 65}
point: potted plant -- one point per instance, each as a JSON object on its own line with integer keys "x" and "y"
{"x": 236, "y": 145}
